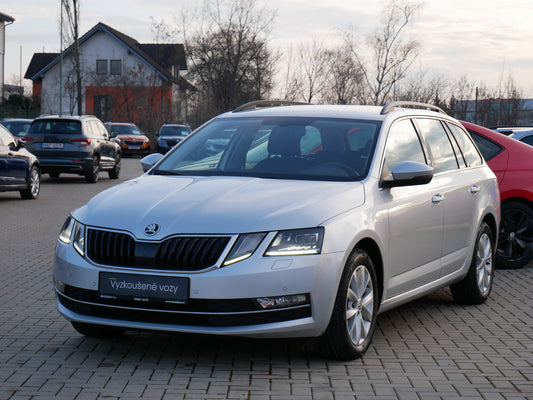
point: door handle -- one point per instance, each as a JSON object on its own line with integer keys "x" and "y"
{"x": 436, "y": 199}
{"x": 474, "y": 189}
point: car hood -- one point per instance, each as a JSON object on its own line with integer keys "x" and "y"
{"x": 132, "y": 137}
{"x": 215, "y": 205}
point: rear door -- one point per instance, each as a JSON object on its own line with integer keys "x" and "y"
{"x": 461, "y": 185}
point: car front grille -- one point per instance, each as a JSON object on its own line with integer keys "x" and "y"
{"x": 181, "y": 253}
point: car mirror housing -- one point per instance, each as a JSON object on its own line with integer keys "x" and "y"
{"x": 409, "y": 173}
{"x": 148, "y": 161}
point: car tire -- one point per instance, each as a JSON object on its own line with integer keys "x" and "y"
{"x": 91, "y": 176}
{"x": 515, "y": 241}
{"x": 97, "y": 331}
{"x": 353, "y": 319}
{"x": 54, "y": 174}
{"x": 476, "y": 286}
{"x": 34, "y": 185}
{"x": 115, "y": 171}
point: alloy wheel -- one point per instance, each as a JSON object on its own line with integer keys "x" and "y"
{"x": 359, "y": 305}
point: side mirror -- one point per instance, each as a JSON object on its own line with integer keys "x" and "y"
{"x": 409, "y": 173}
{"x": 149, "y": 161}
{"x": 20, "y": 144}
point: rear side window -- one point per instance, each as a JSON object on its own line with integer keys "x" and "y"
{"x": 488, "y": 148}
{"x": 470, "y": 152}
{"x": 56, "y": 127}
{"x": 437, "y": 139}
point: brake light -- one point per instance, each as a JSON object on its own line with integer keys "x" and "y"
{"x": 26, "y": 139}
{"x": 82, "y": 142}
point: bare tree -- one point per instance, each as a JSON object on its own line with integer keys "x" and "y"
{"x": 71, "y": 35}
{"x": 391, "y": 56}
{"x": 344, "y": 77}
{"x": 312, "y": 62}
{"x": 230, "y": 61}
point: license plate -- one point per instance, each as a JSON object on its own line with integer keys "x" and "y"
{"x": 144, "y": 288}
{"x": 134, "y": 147}
{"x": 52, "y": 145}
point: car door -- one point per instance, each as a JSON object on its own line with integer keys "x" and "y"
{"x": 106, "y": 146}
{"x": 415, "y": 216}
{"x": 460, "y": 187}
{"x": 14, "y": 165}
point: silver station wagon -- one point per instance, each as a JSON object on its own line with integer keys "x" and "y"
{"x": 286, "y": 221}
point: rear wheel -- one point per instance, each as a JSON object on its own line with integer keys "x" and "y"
{"x": 54, "y": 174}
{"x": 97, "y": 331}
{"x": 91, "y": 176}
{"x": 515, "y": 241}
{"x": 353, "y": 320}
{"x": 477, "y": 284}
{"x": 34, "y": 185}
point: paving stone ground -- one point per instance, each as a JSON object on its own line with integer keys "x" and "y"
{"x": 428, "y": 349}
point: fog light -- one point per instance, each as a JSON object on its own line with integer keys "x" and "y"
{"x": 60, "y": 285}
{"x": 282, "y": 301}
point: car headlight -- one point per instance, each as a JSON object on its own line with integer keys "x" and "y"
{"x": 66, "y": 231}
{"x": 73, "y": 231}
{"x": 244, "y": 247}
{"x": 296, "y": 242}
{"x": 79, "y": 239}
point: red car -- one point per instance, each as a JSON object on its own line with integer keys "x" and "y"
{"x": 512, "y": 162}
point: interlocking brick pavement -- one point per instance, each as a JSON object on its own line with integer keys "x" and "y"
{"x": 428, "y": 349}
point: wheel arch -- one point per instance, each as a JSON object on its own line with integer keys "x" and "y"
{"x": 373, "y": 250}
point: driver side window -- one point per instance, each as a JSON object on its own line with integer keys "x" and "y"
{"x": 403, "y": 144}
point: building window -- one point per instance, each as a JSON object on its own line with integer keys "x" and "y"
{"x": 101, "y": 67}
{"x": 142, "y": 102}
{"x": 116, "y": 67}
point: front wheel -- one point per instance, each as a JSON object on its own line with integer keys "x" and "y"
{"x": 477, "y": 284}
{"x": 115, "y": 171}
{"x": 34, "y": 185}
{"x": 353, "y": 320}
{"x": 91, "y": 176}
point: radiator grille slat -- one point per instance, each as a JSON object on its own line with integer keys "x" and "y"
{"x": 192, "y": 253}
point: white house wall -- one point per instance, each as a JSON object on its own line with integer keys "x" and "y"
{"x": 99, "y": 46}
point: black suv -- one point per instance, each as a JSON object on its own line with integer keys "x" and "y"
{"x": 73, "y": 144}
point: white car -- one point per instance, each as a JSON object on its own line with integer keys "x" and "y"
{"x": 308, "y": 221}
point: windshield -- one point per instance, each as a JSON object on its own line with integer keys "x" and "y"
{"x": 277, "y": 147}
{"x": 125, "y": 130}
{"x": 174, "y": 130}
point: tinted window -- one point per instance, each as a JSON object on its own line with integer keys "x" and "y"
{"x": 439, "y": 144}
{"x": 488, "y": 148}
{"x": 527, "y": 139}
{"x": 470, "y": 152}
{"x": 55, "y": 126}
{"x": 403, "y": 144}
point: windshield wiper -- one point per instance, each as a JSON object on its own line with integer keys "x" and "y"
{"x": 161, "y": 172}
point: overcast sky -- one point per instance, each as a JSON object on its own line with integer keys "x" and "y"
{"x": 481, "y": 39}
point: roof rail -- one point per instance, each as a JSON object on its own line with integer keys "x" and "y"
{"x": 266, "y": 103}
{"x": 394, "y": 104}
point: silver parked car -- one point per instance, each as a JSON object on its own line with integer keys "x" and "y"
{"x": 302, "y": 221}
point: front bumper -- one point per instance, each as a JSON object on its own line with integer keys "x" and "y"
{"x": 220, "y": 300}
